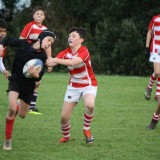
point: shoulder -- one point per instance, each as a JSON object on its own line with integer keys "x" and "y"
{"x": 83, "y": 49}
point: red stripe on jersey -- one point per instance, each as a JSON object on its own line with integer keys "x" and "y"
{"x": 157, "y": 33}
{"x": 157, "y": 42}
{"x": 157, "y": 23}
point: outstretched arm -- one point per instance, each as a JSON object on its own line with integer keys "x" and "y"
{"x": 66, "y": 62}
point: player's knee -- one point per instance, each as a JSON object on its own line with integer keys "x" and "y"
{"x": 90, "y": 107}
{"x": 22, "y": 115}
{"x": 157, "y": 73}
{"x": 11, "y": 112}
{"x": 64, "y": 119}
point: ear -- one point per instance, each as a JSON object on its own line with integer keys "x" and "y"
{"x": 81, "y": 40}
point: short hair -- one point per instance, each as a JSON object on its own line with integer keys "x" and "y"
{"x": 3, "y": 24}
{"x": 37, "y": 8}
{"x": 80, "y": 31}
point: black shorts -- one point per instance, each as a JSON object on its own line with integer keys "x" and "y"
{"x": 25, "y": 89}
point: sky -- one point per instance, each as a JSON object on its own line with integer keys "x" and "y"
{"x": 21, "y": 2}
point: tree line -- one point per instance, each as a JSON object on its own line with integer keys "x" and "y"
{"x": 116, "y": 30}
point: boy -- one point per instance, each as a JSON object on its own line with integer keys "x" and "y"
{"x": 3, "y": 33}
{"x": 20, "y": 86}
{"x": 31, "y": 32}
{"x": 82, "y": 82}
{"x": 153, "y": 51}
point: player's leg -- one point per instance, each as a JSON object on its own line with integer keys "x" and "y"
{"x": 24, "y": 108}
{"x": 148, "y": 90}
{"x": 32, "y": 107}
{"x": 67, "y": 110}
{"x": 12, "y": 95}
{"x": 152, "y": 79}
{"x": 155, "y": 118}
{"x": 89, "y": 100}
{"x": 157, "y": 95}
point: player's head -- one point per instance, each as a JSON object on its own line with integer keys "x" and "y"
{"x": 80, "y": 31}
{"x": 39, "y": 14}
{"x": 76, "y": 36}
{"x": 46, "y": 33}
{"x": 3, "y": 29}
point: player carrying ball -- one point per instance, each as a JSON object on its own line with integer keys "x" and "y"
{"x": 20, "y": 87}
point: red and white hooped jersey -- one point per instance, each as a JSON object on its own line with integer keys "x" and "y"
{"x": 81, "y": 75}
{"x": 155, "y": 27}
{"x": 32, "y": 30}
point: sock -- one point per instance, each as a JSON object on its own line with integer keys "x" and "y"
{"x": 9, "y": 128}
{"x": 151, "y": 81}
{"x": 66, "y": 129}
{"x": 155, "y": 117}
{"x": 158, "y": 87}
{"x": 87, "y": 121}
{"x": 33, "y": 101}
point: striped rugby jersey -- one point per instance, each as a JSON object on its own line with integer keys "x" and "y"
{"x": 81, "y": 75}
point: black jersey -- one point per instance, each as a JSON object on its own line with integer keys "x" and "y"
{"x": 23, "y": 54}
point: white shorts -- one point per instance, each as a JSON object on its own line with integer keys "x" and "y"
{"x": 74, "y": 94}
{"x": 155, "y": 57}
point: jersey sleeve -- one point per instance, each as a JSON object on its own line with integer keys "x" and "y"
{"x": 151, "y": 23}
{"x": 61, "y": 55}
{"x": 26, "y": 30}
{"x": 2, "y": 68}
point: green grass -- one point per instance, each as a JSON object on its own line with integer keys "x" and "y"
{"x": 119, "y": 125}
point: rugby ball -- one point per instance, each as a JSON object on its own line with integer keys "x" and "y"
{"x": 37, "y": 63}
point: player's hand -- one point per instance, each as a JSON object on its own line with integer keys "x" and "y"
{"x": 147, "y": 53}
{"x": 34, "y": 72}
{"x": 50, "y": 62}
{"x": 6, "y": 73}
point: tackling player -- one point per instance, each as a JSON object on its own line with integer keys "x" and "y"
{"x": 82, "y": 82}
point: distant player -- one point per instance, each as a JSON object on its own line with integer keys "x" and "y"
{"x": 3, "y": 33}
{"x": 153, "y": 51}
{"x": 82, "y": 82}
{"x": 31, "y": 32}
{"x": 20, "y": 87}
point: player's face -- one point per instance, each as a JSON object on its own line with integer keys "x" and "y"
{"x": 3, "y": 32}
{"x": 47, "y": 42}
{"x": 74, "y": 39}
{"x": 39, "y": 16}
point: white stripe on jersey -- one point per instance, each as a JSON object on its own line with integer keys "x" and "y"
{"x": 80, "y": 81}
{"x": 80, "y": 75}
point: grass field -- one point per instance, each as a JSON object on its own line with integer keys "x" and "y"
{"x": 119, "y": 126}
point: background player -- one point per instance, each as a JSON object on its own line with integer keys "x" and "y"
{"x": 31, "y": 32}
{"x": 153, "y": 49}
{"x": 3, "y": 33}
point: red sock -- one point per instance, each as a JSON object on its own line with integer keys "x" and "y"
{"x": 151, "y": 81}
{"x": 87, "y": 121}
{"x": 9, "y": 128}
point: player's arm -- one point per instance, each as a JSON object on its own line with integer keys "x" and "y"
{"x": 21, "y": 37}
{"x": 49, "y": 54}
{"x": 148, "y": 39}
{"x": 3, "y": 69}
{"x": 12, "y": 42}
{"x": 1, "y": 50}
{"x": 66, "y": 62}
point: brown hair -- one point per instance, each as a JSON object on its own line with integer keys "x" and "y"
{"x": 80, "y": 31}
{"x": 37, "y": 8}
